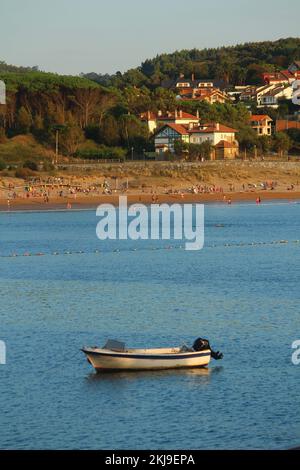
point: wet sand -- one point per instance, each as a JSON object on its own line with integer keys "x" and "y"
{"x": 91, "y": 202}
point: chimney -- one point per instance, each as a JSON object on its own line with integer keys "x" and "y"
{"x": 148, "y": 115}
{"x": 217, "y": 126}
{"x": 176, "y": 114}
{"x": 197, "y": 114}
{"x": 181, "y": 75}
{"x": 180, "y": 113}
{"x": 193, "y": 77}
{"x": 159, "y": 113}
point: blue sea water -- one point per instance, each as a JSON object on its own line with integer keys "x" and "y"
{"x": 239, "y": 292}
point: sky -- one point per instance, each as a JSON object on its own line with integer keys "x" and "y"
{"x": 105, "y": 36}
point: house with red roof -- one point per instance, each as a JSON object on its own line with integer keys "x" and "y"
{"x": 265, "y": 95}
{"x": 199, "y": 90}
{"x": 183, "y": 83}
{"x": 261, "y": 123}
{"x": 210, "y": 95}
{"x": 165, "y": 138}
{"x": 284, "y": 77}
{"x": 222, "y": 138}
{"x": 155, "y": 120}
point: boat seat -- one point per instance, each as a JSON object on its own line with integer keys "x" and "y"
{"x": 114, "y": 345}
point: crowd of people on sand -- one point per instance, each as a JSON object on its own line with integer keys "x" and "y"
{"x": 52, "y": 188}
{"x": 49, "y": 188}
{"x": 245, "y": 187}
{"x": 200, "y": 189}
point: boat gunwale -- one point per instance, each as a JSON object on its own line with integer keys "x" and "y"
{"x": 146, "y": 356}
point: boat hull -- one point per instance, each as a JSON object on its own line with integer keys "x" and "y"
{"x": 103, "y": 360}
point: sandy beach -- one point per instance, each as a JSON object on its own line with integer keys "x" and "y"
{"x": 91, "y": 202}
{"x": 160, "y": 182}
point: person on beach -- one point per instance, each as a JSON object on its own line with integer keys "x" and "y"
{"x": 258, "y": 200}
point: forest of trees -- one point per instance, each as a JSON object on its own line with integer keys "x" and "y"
{"x": 235, "y": 65}
{"x": 98, "y": 114}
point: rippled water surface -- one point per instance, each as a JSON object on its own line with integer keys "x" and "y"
{"x": 244, "y": 297}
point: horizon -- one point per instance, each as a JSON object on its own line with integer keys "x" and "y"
{"x": 82, "y": 42}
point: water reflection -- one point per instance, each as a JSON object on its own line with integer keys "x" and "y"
{"x": 115, "y": 376}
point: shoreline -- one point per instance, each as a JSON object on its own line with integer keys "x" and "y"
{"x": 92, "y": 202}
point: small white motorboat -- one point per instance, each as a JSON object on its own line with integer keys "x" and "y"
{"x": 115, "y": 356}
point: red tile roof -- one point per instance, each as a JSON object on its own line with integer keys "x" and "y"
{"x": 260, "y": 117}
{"x": 178, "y": 128}
{"x": 209, "y": 128}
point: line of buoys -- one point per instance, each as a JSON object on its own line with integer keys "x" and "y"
{"x": 153, "y": 248}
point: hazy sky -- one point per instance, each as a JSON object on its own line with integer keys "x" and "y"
{"x": 73, "y": 36}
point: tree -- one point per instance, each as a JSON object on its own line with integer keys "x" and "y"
{"x": 205, "y": 150}
{"x": 87, "y": 100}
{"x": 24, "y": 121}
{"x": 134, "y": 133}
{"x": 294, "y": 135}
{"x": 137, "y": 99}
{"x": 70, "y": 138}
{"x": 109, "y": 131}
{"x": 282, "y": 143}
{"x": 180, "y": 148}
{"x": 2, "y": 135}
{"x": 247, "y": 138}
{"x": 264, "y": 144}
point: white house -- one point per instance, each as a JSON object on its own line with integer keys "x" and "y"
{"x": 168, "y": 135}
{"x": 270, "y": 98}
{"x": 213, "y": 132}
{"x": 155, "y": 120}
{"x": 222, "y": 138}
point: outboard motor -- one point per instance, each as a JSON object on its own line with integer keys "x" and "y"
{"x": 203, "y": 344}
